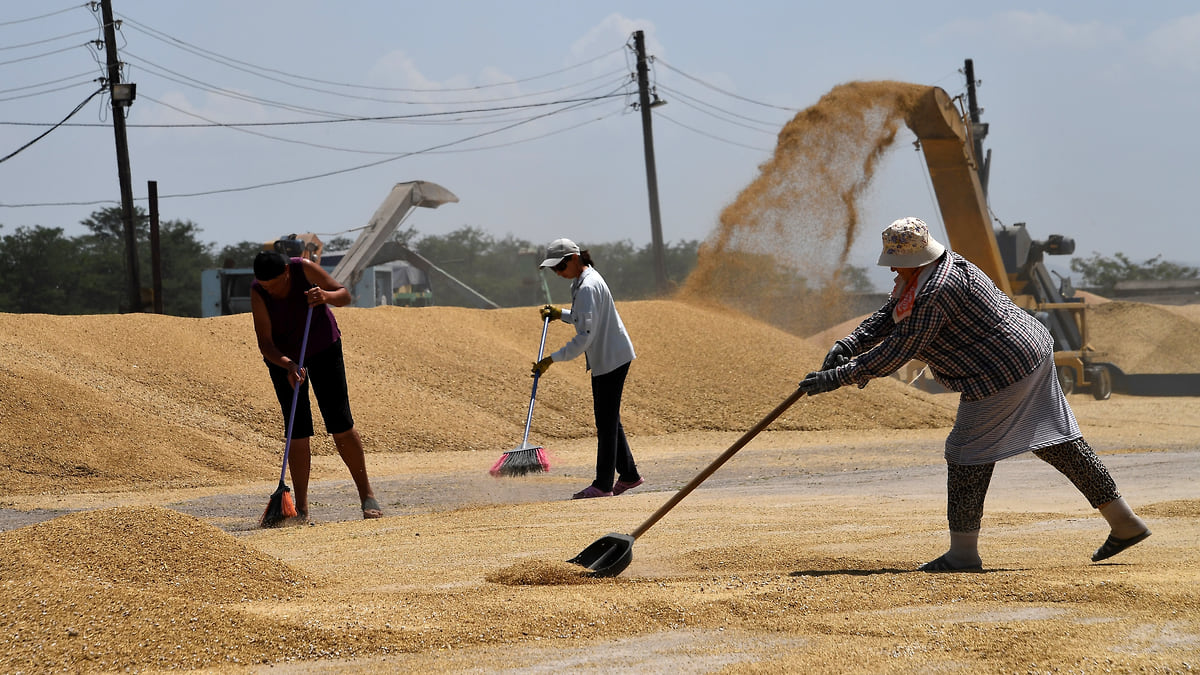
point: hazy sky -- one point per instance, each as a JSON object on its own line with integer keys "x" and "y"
{"x": 522, "y": 109}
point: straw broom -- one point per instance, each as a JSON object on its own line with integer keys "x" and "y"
{"x": 525, "y": 458}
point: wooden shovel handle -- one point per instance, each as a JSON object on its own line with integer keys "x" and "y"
{"x": 716, "y": 464}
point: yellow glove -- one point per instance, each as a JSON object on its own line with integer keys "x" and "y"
{"x": 541, "y": 367}
{"x": 551, "y": 312}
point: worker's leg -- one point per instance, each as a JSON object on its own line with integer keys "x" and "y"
{"x": 328, "y": 375}
{"x": 1078, "y": 462}
{"x": 966, "y": 488}
{"x": 350, "y": 448}
{"x": 606, "y": 405}
{"x": 298, "y": 449}
{"x": 299, "y": 466}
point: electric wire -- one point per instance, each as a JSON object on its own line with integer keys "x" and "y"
{"x": 185, "y": 80}
{"x": 42, "y": 55}
{"x": 428, "y": 150}
{"x": 375, "y": 118}
{"x": 225, "y": 60}
{"x": 368, "y": 165}
{"x": 404, "y": 102}
{"x": 528, "y": 139}
{"x": 689, "y": 100}
{"x": 47, "y": 82}
{"x": 47, "y": 132}
{"x": 47, "y": 91}
{"x": 42, "y": 42}
{"x": 234, "y": 127}
{"x": 718, "y": 89}
{"x": 43, "y": 16}
{"x": 708, "y": 135}
{"x": 180, "y": 78}
{"x": 476, "y": 116}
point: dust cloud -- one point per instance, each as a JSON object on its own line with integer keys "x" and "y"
{"x": 779, "y": 249}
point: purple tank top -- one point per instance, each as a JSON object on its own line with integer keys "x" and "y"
{"x": 287, "y": 317}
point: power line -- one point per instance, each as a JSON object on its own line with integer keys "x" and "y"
{"x": 43, "y": 54}
{"x": 42, "y": 42}
{"x": 47, "y": 91}
{"x": 47, "y": 132}
{"x": 225, "y": 60}
{"x": 708, "y": 135}
{"x": 774, "y": 126}
{"x": 43, "y": 16}
{"x": 727, "y": 93}
{"x": 375, "y": 163}
{"x": 186, "y": 80}
{"x": 47, "y": 82}
{"x": 340, "y": 120}
{"x": 429, "y": 150}
{"x": 235, "y": 127}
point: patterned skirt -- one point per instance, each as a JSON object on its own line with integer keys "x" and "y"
{"x": 1027, "y": 415}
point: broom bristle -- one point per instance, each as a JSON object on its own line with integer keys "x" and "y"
{"x": 279, "y": 508}
{"x": 520, "y": 462}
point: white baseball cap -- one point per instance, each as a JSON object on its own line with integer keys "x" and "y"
{"x": 557, "y": 250}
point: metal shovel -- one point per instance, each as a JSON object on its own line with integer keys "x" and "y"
{"x": 609, "y": 555}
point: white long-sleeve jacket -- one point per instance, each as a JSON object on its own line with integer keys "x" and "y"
{"x": 599, "y": 332}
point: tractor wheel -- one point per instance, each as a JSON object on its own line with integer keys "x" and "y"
{"x": 1066, "y": 379}
{"x": 1102, "y": 384}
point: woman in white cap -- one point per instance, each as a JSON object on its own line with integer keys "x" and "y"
{"x": 946, "y": 312}
{"x": 600, "y": 336}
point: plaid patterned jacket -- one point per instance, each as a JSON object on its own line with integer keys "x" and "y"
{"x": 975, "y": 340}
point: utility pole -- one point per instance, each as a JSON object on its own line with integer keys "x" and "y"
{"x": 122, "y": 97}
{"x": 979, "y": 130}
{"x": 155, "y": 247}
{"x": 656, "y": 238}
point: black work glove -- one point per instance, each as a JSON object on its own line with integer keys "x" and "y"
{"x": 838, "y": 355}
{"x": 819, "y": 382}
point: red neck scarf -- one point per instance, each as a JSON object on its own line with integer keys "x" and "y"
{"x": 907, "y": 292}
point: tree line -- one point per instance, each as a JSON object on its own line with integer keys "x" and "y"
{"x": 44, "y": 271}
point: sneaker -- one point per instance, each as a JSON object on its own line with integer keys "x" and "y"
{"x": 589, "y": 492}
{"x": 622, "y": 486}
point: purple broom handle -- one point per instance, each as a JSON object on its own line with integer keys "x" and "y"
{"x": 287, "y": 444}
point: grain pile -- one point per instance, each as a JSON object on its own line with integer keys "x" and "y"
{"x": 104, "y": 402}
{"x": 146, "y": 587}
{"x": 1143, "y": 338}
{"x": 800, "y": 216}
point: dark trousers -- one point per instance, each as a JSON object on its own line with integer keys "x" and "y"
{"x": 327, "y": 372}
{"x": 613, "y": 457}
{"x": 966, "y": 486}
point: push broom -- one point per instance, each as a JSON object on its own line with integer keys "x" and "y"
{"x": 525, "y": 458}
{"x": 281, "y": 507}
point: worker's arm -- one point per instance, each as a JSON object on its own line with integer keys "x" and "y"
{"x": 266, "y": 343}
{"x": 905, "y": 342}
{"x": 325, "y": 290}
{"x": 583, "y": 316}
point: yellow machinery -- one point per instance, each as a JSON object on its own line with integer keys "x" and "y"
{"x": 306, "y": 245}
{"x": 952, "y": 141}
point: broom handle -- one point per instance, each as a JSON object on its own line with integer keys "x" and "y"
{"x": 287, "y": 444}
{"x": 533, "y": 396}
{"x": 711, "y": 468}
